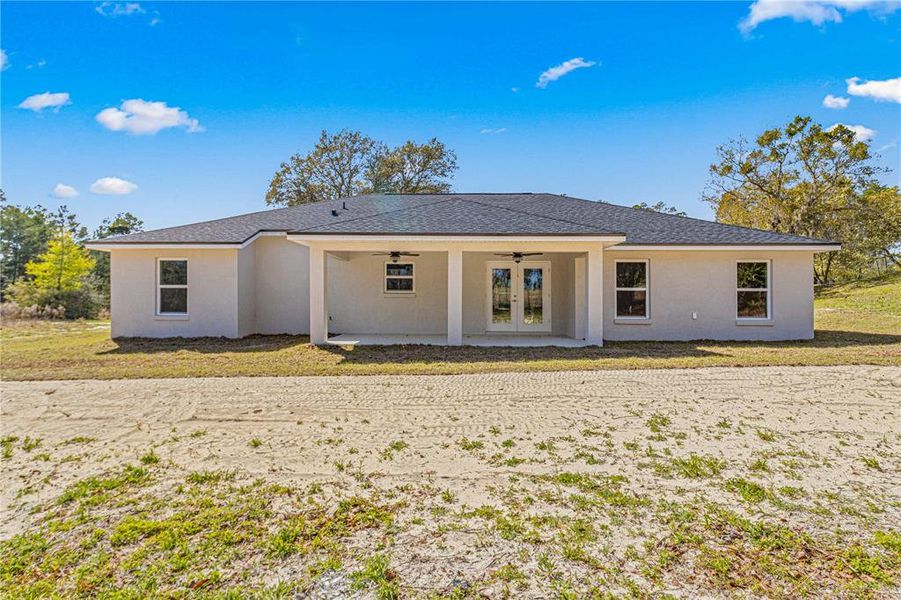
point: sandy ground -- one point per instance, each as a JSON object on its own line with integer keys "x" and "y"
{"x": 307, "y": 424}
{"x": 828, "y": 439}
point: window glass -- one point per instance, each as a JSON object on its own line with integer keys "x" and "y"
{"x": 173, "y": 272}
{"x": 631, "y": 303}
{"x": 752, "y": 305}
{"x": 399, "y": 277}
{"x": 399, "y": 285}
{"x": 631, "y": 274}
{"x": 752, "y": 275}
{"x": 632, "y": 289}
{"x": 174, "y": 300}
{"x": 399, "y": 269}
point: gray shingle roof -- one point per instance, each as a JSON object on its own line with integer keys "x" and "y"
{"x": 467, "y": 214}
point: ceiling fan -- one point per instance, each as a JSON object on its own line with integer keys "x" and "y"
{"x": 395, "y": 255}
{"x": 518, "y": 256}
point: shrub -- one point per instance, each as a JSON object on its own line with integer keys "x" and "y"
{"x": 34, "y": 302}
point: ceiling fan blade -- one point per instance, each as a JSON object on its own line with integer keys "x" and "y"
{"x": 531, "y": 253}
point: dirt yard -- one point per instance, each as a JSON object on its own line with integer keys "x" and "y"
{"x": 778, "y": 481}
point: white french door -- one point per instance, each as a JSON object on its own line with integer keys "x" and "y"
{"x": 519, "y": 296}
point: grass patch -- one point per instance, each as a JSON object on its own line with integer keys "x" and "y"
{"x": 696, "y": 466}
{"x": 857, "y": 323}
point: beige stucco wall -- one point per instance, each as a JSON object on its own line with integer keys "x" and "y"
{"x": 212, "y": 294}
{"x": 264, "y": 288}
{"x": 247, "y": 291}
{"x": 704, "y": 283}
{"x": 282, "y": 286}
{"x": 357, "y": 302}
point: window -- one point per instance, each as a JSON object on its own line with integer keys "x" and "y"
{"x": 399, "y": 278}
{"x": 753, "y": 285}
{"x": 632, "y": 289}
{"x": 172, "y": 286}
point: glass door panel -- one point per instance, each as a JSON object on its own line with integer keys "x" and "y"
{"x": 532, "y": 300}
{"x": 501, "y": 304}
{"x": 534, "y": 288}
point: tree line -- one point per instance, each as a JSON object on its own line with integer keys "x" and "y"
{"x": 46, "y": 270}
{"x": 802, "y": 179}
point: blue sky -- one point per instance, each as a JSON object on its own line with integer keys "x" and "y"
{"x": 255, "y": 83}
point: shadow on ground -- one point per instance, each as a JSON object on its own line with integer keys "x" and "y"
{"x": 470, "y": 354}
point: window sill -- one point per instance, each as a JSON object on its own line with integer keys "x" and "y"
{"x": 633, "y": 321}
{"x": 399, "y": 294}
{"x": 171, "y": 317}
{"x": 754, "y": 322}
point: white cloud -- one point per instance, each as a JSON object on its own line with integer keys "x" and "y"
{"x": 837, "y": 102}
{"x": 114, "y": 10}
{"x": 888, "y": 90}
{"x": 555, "y": 73}
{"x": 62, "y": 190}
{"x": 514, "y": 89}
{"x": 861, "y": 133}
{"x": 119, "y": 9}
{"x": 113, "y": 186}
{"x": 815, "y": 11}
{"x": 41, "y": 63}
{"x": 4, "y": 60}
{"x": 489, "y": 130}
{"x": 39, "y": 102}
{"x": 146, "y": 118}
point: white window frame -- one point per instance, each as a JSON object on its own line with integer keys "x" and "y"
{"x": 386, "y": 277}
{"x": 646, "y": 289}
{"x": 768, "y": 289}
{"x": 161, "y": 286}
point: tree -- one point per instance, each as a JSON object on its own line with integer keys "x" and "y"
{"x": 413, "y": 169}
{"x": 122, "y": 224}
{"x": 24, "y": 234}
{"x": 661, "y": 207}
{"x": 350, "y": 163}
{"x": 62, "y": 267}
{"x": 801, "y": 179}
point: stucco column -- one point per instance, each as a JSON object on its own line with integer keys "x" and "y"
{"x": 318, "y": 296}
{"x": 455, "y": 297}
{"x": 594, "y": 303}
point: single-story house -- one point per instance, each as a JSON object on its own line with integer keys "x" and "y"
{"x": 487, "y": 269}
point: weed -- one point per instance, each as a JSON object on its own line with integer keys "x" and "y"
{"x": 871, "y": 462}
{"x": 151, "y": 458}
{"x": 658, "y": 422}
{"x": 766, "y": 435}
{"x": 469, "y": 445}
{"x": 748, "y": 490}
{"x": 377, "y": 572}
{"x": 696, "y": 466}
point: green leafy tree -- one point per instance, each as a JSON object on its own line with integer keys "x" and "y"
{"x": 349, "y": 163}
{"x": 63, "y": 267}
{"x": 121, "y": 224}
{"x": 413, "y": 169}
{"x": 24, "y": 234}
{"x": 661, "y": 207}
{"x": 803, "y": 179}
